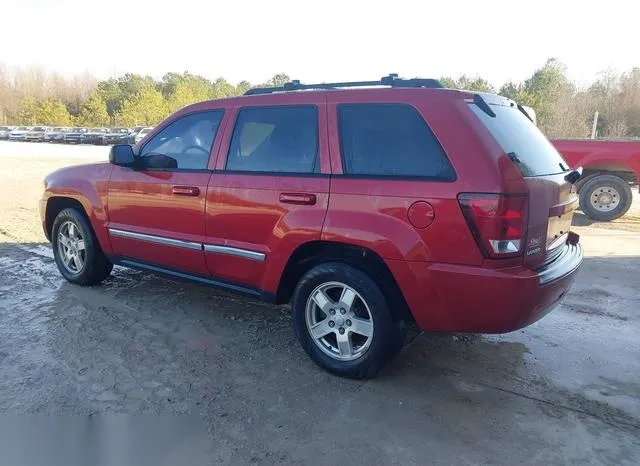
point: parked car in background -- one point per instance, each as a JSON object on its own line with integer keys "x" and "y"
{"x": 55, "y": 134}
{"x": 117, "y": 136}
{"x": 610, "y": 169}
{"x": 75, "y": 135}
{"x": 19, "y": 133}
{"x": 134, "y": 132}
{"x": 36, "y": 134}
{"x": 5, "y": 131}
{"x": 366, "y": 209}
{"x": 141, "y": 134}
{"x": 96, "y": 136}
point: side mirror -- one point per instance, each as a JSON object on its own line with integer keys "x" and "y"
{"x": 160, "y": 161}
{"x": 122, "y": 155}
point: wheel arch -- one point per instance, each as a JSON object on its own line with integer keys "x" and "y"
{"x": 609, "y": 167}
{"x": 57, "y": 203}
{"x": 313, "y": 253}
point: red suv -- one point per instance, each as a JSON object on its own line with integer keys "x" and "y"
{"x": 365, "y": 205}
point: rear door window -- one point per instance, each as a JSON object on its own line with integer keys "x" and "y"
{"x": 390, "y": 140}
{"x": 275, "y": 140}
{"x": 528, "y": 148}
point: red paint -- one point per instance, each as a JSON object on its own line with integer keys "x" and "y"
{"x": 421, "y": 214}
{"x": 599, "y": 155}
{"x": 415, "y": 226}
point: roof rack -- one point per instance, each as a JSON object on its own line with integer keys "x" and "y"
{"x": 392, "y": 80}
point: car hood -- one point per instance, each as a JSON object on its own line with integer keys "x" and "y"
{"x": 76, "y": 177}
{"x": 19, "y": 132}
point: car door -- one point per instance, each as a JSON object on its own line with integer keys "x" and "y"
{"x": 269, "y": 193}
{"x": 156, "y": 215}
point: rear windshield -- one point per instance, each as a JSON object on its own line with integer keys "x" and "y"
{"x": 528, "y": 148}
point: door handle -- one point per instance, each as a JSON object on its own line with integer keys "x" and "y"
{"x": 186, "y": 190}
{"x": 298, "y": 198}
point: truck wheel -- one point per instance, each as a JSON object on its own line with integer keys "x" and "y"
{"x": 343, "y": 321}
{"x": 76, "y": 250}
{"x": 605, "y": 197}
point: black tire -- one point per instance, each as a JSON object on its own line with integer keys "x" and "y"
{"x": 597, "y": 182}
{"x": 96, "y": 265}
{"x": 388, "y": 334}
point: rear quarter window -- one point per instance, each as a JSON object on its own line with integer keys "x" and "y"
{"x": 390, "y": 140}
{"x": 528, "y": 148}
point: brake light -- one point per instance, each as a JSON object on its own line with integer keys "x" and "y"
{"x": 498, "y": 222}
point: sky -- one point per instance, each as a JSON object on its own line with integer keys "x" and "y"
{"x": 319, "y": 41}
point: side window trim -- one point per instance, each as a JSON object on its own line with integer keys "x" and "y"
{"x": 158, "y": 130}
{"x": 389, "y": 177}
{"x": 233, "y": 122}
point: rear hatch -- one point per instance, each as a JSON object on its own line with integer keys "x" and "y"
{"x": 552, "y": 199}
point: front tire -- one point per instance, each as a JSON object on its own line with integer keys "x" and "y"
{"x": 76, "y": 250}
{"x": 605, "y": 197}
{"x": 343, "y": 321}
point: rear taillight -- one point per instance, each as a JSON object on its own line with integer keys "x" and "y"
{"x": 498, "y": 222}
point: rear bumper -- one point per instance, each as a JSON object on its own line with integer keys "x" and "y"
{"x": 456, "y": 298}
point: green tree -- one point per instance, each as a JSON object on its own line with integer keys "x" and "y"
{"x": 147, "y": 107}
{"x": 242, "y": 87}
{"x": 52, "y": 112}
{"x": 185, "y": 89}
{"x": 510, "y": 90}
{"x": 277, "y": 80}
{"x": 469, "y": 84}
{"x": 94, "y": 111}
{"x": 222, "y": 88}
{"x": 115, "y": 91}
{"x": 28, "y": 111}
{"x": 448, "y": 82}
{"x": 544, "y": 88}
{"x": 474, "y": 84}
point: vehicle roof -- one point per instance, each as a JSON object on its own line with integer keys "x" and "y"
{"x": 377, "y": 93}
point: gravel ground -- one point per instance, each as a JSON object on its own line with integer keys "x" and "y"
{"x": 565, "y": 390}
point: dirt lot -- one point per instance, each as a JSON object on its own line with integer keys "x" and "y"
{"x": 565, "y": 390}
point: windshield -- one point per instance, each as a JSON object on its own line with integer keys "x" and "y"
{"x": 120, "y": 130}
{"x": 145, "y": 131}
{"x": 38, "y": 128}
{"x": 21, "y": 128}
{"x": 4, "y": 128}
{"x": 98, "y": 130}
{"x": 528, "y": 148}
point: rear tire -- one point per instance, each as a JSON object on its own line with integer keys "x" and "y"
{"x": 76, "y": 249}
{"x": 605, "y": 197}
{"x": 360, "y": 334}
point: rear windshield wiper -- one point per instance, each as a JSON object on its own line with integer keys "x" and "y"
{"x": 521, "y": 108}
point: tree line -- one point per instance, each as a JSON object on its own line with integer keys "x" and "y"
{"x": 33, "y": 96}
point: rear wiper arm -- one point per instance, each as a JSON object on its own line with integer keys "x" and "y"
{"x": 521, "y": 108}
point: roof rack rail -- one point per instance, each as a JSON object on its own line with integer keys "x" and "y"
{"x": 392, "y": 80}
